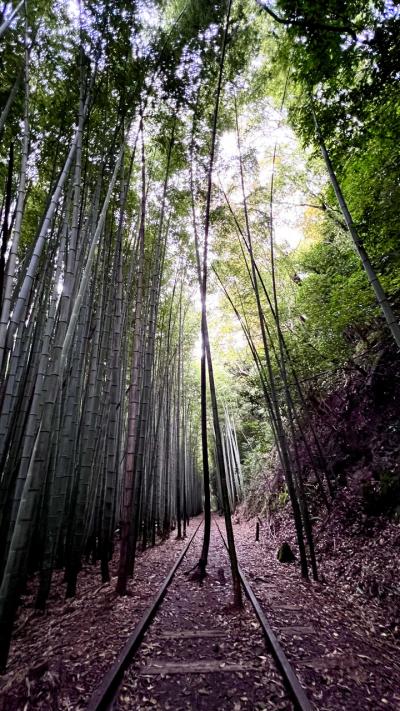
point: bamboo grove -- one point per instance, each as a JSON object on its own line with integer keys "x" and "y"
{"x": 110, "y": 119}
{"x": 97, "y": 426}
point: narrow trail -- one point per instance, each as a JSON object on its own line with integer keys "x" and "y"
{"x": 199, "y": 653}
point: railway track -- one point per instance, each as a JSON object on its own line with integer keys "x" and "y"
{"x": 199, "y": 651}
{"x": 292, "y": 683}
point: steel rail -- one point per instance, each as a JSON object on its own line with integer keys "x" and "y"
{"x": 293, "y": 686}
{"x": 105, "y": 693}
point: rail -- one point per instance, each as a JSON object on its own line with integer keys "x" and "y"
{"x": 292, "y": 683}
{"x": 104, "y": 694}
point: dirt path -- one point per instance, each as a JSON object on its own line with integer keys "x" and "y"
{"x": 199, "y": 653}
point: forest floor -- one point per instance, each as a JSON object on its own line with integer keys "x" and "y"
{"x": 338, "y": 639}
{"x": 57, "y": 658}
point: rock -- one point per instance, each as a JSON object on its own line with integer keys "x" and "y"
{"x": 285, "y": 554}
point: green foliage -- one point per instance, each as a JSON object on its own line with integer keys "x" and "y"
{"x": 282, "y": 498}
{"x": 328, "y": 312}
{"x": 346, "y": 55}
{"x": 352, "y": 75}
{"x": 335, "y": 298}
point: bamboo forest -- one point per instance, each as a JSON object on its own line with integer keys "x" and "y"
{"x": 199, "y": 355}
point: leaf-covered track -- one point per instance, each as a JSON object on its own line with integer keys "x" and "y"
{"x": 105, "y": 692}
{"x": 200, "y": 648}
{"x": 292, "y": 683}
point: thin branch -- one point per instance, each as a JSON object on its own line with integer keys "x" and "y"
{"x": 307, "y": 24}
